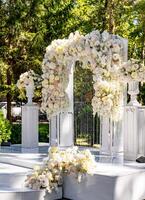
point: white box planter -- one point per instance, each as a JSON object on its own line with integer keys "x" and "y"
{"x": 109, "y": 183}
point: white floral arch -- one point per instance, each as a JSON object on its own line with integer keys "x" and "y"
{"x": 106, "y": 56}
{"x": 101, "y": 52}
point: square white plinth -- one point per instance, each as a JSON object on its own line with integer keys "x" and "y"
{"x": 110, "y": 182}
{"x": 30, "y": 127}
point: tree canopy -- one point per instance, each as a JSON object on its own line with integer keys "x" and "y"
{"x": 28, "y": 26}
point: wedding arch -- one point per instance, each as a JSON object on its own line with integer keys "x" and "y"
{"x": 106, "y": 56}
{"x": 102, "y": 53}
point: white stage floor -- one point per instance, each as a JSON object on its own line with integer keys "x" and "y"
{"x": 115, "y": 179}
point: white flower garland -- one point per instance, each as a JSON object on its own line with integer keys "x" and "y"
{"x": 71, "y": 161}
{"x": 102, "y": 52}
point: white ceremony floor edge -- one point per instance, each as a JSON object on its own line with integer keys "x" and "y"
{"x": 114, "y": 179}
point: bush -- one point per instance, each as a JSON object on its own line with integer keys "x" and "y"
{"x": 16, "y": 133}
{"x": 5, "y": 128}
{"x": 43, "y": 133}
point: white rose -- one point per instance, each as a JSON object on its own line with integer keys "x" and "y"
{"x": 57, "y": 78}
{"x": 116, "y": 57}
{"x": 51, "y": 78}
{"x": 56, "y": 106}
{"x": 44, "y": 83}
{"x": 134, "y": 75}
{"x": 105, "y": 36}
{"x": 116, "y": 48}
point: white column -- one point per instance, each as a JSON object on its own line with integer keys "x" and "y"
{"x": 112, "y": 132}
{"x": 141, "y": 132}
{"x": 133, "y": 123}
{"x": 66, "y": 136}
{"x": 106, "y": 138}
{"x": 62, "y": 125}
{"x": 30, "y": 128}
{"x": 54, "y": 131}
{"x": 118, "y": 137}
{"x": 131, "y": 133}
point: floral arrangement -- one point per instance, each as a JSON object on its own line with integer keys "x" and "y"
{"x": 107, "y": 99}
{"x": 26, "y": 79}
{"x": 132, "y": 70}
{"x": 101, "y": 52}
{"x": 49, "y": 176}
{"x": 29, "y": 78}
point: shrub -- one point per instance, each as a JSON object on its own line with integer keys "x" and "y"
{"x": 43, "y": 133}
{"x": 16, "y": 133}
{"x": 5, "y": 128}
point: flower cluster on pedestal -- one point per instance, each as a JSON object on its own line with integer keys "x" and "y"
{"x": 28, "y": 81}
{"x": 132, "y": 70}
{"x": 25, "y": 80}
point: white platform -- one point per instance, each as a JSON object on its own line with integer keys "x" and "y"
{"x": 110, "y": 182}
{"x": 12, "y": 185}
{"x": 114, "y": 179}
{"x": 28, "y": 194}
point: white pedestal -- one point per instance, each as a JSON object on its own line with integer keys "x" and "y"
{"x": 62, "y": 125}
{"x": 141, "y": 131}
{"x": 134, "y": 132}
{"x": 111, "y": 132}
{"x": 111, "y": 137}
{"x": 131, "y": 133}
{"x": 30, "y": 128}
{"x": 105, "y": 136}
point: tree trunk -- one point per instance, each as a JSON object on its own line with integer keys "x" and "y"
{"x": 143, "y": 50}
{"x": 110, "y": 17}
{"x": 9, "y": 117}
{"x": 104, "y": 20}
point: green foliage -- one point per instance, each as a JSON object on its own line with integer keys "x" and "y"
{"x": 5, "y": 128}
{"x": 43, "y": 132}
{"x": 16, "y": 133}
{"x": 27, "y": 27}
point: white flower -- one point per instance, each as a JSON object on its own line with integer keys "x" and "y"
{"x": 116, "y": 57}
{"x": 107, "y": 96}
{"x": 100, "y": 52}
{"x": 116, "y": 48}
{"x": 105, "y": 36}
{"x": 27, "y": 79}
{"x": 132, "y": 70}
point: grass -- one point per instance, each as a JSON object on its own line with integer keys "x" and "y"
{"x": 84, "y": 142}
